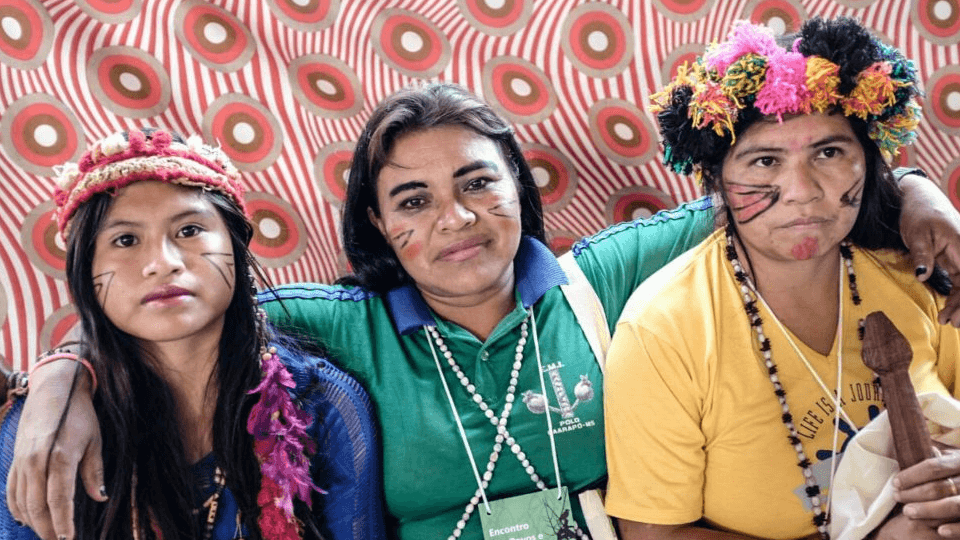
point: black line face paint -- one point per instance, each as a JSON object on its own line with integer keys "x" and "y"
{"x": 223, "y": 262}
{"x": 749, "y": 201}
{"x": 854, "y": 196}
{"x": 403, "y": 238}
{"x": 499, "y": 210}
{"x": 101, "y": 285}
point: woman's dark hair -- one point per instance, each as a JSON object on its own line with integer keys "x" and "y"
{"x": 374, "y": 264}
{"x": 136, "y": 408}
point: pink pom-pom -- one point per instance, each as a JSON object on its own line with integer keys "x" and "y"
{"x": 785, "y": 89}
{"x": 745, "y": 38}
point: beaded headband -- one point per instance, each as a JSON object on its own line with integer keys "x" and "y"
{"x": 834, "y": 65}
{"x": 120, "y": 160}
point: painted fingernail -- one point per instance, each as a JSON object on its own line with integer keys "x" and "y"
{"x": 921, "y": 270}
{"x": 62, "y": 537}
{"x": 18, "y": 522}
{"x": 103, "y": 492}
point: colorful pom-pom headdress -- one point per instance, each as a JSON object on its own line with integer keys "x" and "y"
{"x": 150, "y": 154}
{"x": 832, "y": 65}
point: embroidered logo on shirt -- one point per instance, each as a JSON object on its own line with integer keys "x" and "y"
{"x": 583, "y": 392}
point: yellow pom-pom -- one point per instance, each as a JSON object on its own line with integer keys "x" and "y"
{"x": 823, "y": 78}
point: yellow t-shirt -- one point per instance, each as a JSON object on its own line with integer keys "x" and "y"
{"x": 693, "y": 428}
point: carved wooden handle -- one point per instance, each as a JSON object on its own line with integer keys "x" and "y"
{"x": 888, "y": 353}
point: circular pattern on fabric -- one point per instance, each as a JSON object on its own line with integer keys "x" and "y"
{"x": 943, "y": 104}
{"x": 937, "y": 20}
{"x": 561, "y": 240}
{"x": 497, "y": 17}
{"x": 41, "y": 240}
{"x": 636, "y": 202}
{"x": 518, "y": 90}
{"x": 952, "y": 182}
{"x": 214, "y": 36}
{"x": 683, "y": 10}
{"x": 554, "y": 174}
{"x": 306, "y": 15}
{"x": 279, "y": 235}
{"x": 622, "y": 132}
{"x": 331, "y": 170}
{"x": 111, "y": 11}
{"x": 26, "y": 34}
{"x": 38, "y": 132}
{"x": 686, "y": 53}
{"x": 782, "y": 16}
{"x": 326, "y": 86}
{"x": 57, "y": 326}
{"x": 129, "y": 82}
{"x": 410, "y": 43}
{"x": 598, "y": 39}
{"x": 248, "y": 133}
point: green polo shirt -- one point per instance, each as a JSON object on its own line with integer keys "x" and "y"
{"x": 381, "y": 341}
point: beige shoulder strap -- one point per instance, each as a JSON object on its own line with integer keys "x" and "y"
{"x": 586, "y": 307}
{"x": 593, "y": 321}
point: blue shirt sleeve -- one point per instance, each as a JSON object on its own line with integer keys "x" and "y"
{"x": 347, "y": 463}
{"x": 9, "y": 529}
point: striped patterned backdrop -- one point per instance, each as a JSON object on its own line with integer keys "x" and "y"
{"x": 285, "y": 86}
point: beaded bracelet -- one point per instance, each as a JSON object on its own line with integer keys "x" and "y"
{"x": 67, "y": 356}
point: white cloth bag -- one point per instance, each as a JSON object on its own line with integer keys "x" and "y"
{"x": 863, "y": 486}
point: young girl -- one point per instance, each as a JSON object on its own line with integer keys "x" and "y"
{"x": 213, "y": 426}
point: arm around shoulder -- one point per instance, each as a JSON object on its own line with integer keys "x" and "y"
{"x": 619, "y": 258}
{"x": 347, "y": 464}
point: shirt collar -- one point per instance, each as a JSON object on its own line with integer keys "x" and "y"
{"x": 536, "y": 270}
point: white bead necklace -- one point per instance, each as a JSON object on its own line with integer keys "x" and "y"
{"x": 499, "y": 422}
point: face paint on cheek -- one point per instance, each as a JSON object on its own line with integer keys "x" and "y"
{"x": 806, "y": 249}
{"x": 853, "y": 196}
{"x": 223, "y": 262}
{"x": 748, "y": 202}
{"x": 410, "y": 251}
{"x": 401, "y": 236}
{"x": 101, "y": 286}
{"x": 502, "y": 209}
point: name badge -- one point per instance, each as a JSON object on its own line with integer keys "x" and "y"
{"x": 534, "y": 516}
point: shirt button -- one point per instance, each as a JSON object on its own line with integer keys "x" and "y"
{"x": 485, "y": 355}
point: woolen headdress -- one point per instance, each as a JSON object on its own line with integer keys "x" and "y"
{"x": 832, "y": 66}
{"x": 138, "y": 155}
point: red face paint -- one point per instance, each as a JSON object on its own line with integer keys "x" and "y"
{"x": 806, "y": 249}
{"x": 748, "y": 202}
{"x": 412, "y": 250}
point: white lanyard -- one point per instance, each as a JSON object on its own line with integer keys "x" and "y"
{"x": 835, "y": 398}
{"x": 463, "y": 434}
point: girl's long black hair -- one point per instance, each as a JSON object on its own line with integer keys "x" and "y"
{"x": 136, "y": 408}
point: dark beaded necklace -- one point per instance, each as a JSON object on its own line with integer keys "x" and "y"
{"x": 820, "y": 515}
